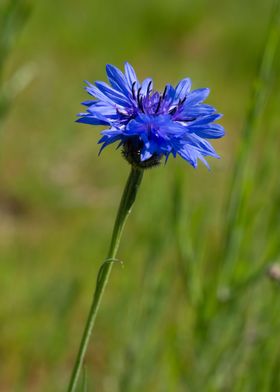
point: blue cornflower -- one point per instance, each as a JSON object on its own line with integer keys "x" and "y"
{"x": 150, "y": 125}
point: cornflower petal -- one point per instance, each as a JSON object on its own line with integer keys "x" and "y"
{"x": 117, "y": 79}
{"x": 130, "y": 75}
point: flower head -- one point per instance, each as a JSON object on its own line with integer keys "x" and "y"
{"x": 150, "y": 125}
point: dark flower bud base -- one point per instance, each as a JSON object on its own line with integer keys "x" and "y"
{"x": 131, "y": 151}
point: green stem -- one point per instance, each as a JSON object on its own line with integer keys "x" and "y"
{"x": 128, "y": 198}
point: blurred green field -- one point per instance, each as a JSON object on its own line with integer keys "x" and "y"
{"x": 193, "y": 309}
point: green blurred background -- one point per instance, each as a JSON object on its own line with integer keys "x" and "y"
{"x": 193, "y": 308}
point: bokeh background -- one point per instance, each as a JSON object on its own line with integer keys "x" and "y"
{"x": 193, "y": 308}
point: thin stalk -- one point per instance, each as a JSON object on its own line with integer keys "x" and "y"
{"x": 258, "y": 99}
{"x": 128, "y": 198}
